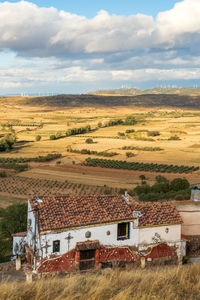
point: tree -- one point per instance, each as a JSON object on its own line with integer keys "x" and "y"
{"x": 142, "y": 177}
{"x": 38, "y": 138}
{"x": 179, "y": 184}
{"x": 13, "y": 219}
{"x": 130, "y": 120}
{"x": 161, "y": 179}
{"x": 7, "y": 142}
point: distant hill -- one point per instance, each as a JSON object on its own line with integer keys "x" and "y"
{"x": 148, "y": 100}
{"x": 154, "y": 91}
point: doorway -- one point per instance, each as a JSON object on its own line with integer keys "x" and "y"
{"x": 87, "y": 259}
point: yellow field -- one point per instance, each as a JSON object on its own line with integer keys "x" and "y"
{"x": 50, "y": 120}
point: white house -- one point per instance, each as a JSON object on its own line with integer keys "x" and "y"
{"x": 84, "y": 231}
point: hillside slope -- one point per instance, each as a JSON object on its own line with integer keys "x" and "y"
{"x": 161, "y": 100}
{"x": 158, "y": 90}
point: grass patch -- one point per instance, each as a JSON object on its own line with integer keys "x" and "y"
{"x": 167, "y": 283}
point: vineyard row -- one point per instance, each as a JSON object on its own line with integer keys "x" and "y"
{"x": 152, "y": 167}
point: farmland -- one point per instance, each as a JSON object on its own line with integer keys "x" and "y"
{"x": 69, "y": 129}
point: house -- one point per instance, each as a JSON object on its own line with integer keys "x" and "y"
{"x": 82, "y": 232}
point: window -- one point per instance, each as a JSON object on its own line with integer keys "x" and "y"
{"x": 56, "y": 246}
{"x": 123, "y": 231}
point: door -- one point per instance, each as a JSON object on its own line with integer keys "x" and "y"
{"x": 87, "y": 259}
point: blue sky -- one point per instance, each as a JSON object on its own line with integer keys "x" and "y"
{"x": 89, "y": 8}
{"x": 78, "y": 46}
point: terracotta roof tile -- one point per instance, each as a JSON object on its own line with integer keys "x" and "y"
{"x": 72, "y": 211}
{"x": 156, "y": 213}
{"x": 20, "y": 234}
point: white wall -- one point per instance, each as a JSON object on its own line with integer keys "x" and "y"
{"x": 97, "y": 233}
{"x": 31, "y": 229}
{"x": 146, "y": 234}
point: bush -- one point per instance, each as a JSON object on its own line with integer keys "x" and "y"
{"x": 81, "y": 130}
{"x": 130, "y": 120}
{"x": 153, "y": 133}
{"x": 52, "y": 137}
{"x": 174, "y": 138}
{"x": 129, "y": 154}
{"x": 130, "y": 130}
{"x": 89, "y": 141}
{"x": 38, "y": 138}
{"x": 121, "y": 134}
{"x": 7, "y": 142}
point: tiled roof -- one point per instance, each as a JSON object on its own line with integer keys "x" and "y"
{"x": 73, "y": 211}
{"x": 20, "y": 234}
{"x": 154, "y": 213}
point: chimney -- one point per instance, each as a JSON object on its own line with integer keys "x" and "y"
{"x": 126, "y": 197}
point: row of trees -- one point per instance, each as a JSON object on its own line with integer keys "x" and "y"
{"x": 48, "y": 157}
{"x": 91, "y": 152}
{"x": 152, "y": 167}
{"x": 146, "y": 148}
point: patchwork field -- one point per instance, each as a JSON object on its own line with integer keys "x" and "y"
{"x": 160, "y": 135}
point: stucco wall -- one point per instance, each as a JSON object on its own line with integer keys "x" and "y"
{"x": 190, "y": 213}
{"x": 147, "y": 234}
{"x": 30, "y": 228}
{"x": 97, "y": 233}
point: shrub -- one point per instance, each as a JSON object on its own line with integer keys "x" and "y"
{"x": 129, "y": 154}
{"x": 142, "y": 177}
{"x": 153, "y": 133}
{"x": 130, "y": 130}
{"x": 89, "y": 141}
{"x": 38, "y": 138}
{"x": 81, "y": 130}
{"x": 130, "y": 120}
{"x": 7, "y": 142}
{"x": 174, "y": 138}
{"x": 52, "y": 137}
{"x": 114, "y": 122}
{"x": 121, "y": 134}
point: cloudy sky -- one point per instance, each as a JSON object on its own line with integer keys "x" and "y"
{"x": 77, "y": 46}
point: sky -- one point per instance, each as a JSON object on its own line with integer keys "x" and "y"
{"x": 55, "y": 47}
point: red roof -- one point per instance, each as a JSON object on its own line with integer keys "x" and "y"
{"x": 156, "y": 213}
{"x": 74, "y": 211}
{"x": 20, "y": 234}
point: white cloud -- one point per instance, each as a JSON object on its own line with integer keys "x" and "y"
{"x": 53, "y": 46}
